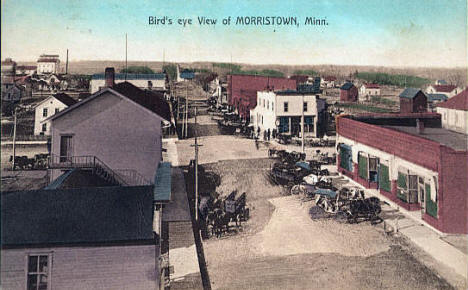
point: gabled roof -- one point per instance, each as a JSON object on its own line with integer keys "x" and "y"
{"x": 152, "y": 101}
{"x": 436, "y": 97}
{"x": 347, "y": 86}
{"x": 410, "y": 93}
{"x": 82, "y": 215}
{"x": 64, "y": 98}
{"x": 457, "y": 102}
{"x": 371, "y": 86}
{"x": 444, "y": 88}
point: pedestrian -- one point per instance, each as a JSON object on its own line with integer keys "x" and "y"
{"x": 264, "y": 135}
{"x": 258, "y": 132}
{"x": 268, "y": 134}
{"x": 274, "y": 133}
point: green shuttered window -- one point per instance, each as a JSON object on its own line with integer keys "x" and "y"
{"x": 362, "y": 163}
{"x": 384, "y": 178}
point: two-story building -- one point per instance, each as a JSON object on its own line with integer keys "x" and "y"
{"x": 282, "y": 111}
{"x": 454, "y": 113}
{"x": 412, "y": 161}
{"x": 48, "y": 107}
{"x": 48, "y": 64}
{"x": 121, "y": 125}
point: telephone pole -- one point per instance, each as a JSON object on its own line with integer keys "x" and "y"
{"x": 302, "y": 125}
{"x": 14, "y": 143}
{"x": 186, "y": 112}
{"x": 196, "y": 145}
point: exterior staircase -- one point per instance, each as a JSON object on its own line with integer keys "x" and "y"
{"x": 123, "y": 177}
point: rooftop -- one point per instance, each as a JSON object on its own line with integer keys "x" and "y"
{"x": 444, "y": 88}
{"x": 81, "y": 215}
{"x": 346, "y": 86}
{"x": 410, "y": 93}
{"x": 457, "y": 102}
{"x": 442, "y": 136}
{"x": 65, "y": 99}
{"x": 162, "y": 183}
{"x": 153, "y": 101}
{"x": 121, "y": 76}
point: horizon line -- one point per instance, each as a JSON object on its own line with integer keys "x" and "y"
{"x": 260, "y": 64}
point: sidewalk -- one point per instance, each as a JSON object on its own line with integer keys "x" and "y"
{"x": 424, "y": 236}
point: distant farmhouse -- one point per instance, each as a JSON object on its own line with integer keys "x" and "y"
{"x": 328, "y": 82}
{"x": 368, "y": 90}
{"x": 48, "y": 64}
{"x": 448, "y": 90}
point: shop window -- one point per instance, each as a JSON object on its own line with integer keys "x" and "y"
{"x": 373, "y": 169}
{"x": 305, "y": 107}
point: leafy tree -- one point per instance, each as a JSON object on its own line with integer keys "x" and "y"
{"x": 171, "y": 71}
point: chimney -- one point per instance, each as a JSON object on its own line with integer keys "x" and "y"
{"x": 110, "y": 77}
{"x": 419, "y": 126}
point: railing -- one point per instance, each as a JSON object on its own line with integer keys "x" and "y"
{"x": 132, "y": 177}
{"x": 92, "y": 162}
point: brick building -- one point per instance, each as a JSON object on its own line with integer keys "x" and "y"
{"x": 348, "y": 93}
{"x": 411, "y": 160}
{"x": 413, "y": 101}
{"x": 242, "y": 90}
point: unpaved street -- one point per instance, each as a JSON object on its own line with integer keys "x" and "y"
{"x": 281, "y": 247}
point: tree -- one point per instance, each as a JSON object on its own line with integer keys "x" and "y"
{"x": 171, "y": 71}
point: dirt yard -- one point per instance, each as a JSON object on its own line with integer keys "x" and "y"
{"x": 281, "y": 247}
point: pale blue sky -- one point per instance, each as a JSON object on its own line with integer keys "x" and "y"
{"x": 372, "y": 32}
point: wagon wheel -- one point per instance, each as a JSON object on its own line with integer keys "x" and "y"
{"x": 296, "y": 189}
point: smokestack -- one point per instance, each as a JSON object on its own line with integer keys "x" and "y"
{"x": 66, "y": 67}
{"x": 109, "y": 77}
{"x": 419, "y": 126}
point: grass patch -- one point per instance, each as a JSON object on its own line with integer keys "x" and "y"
{"x": 383, "y": 101}
{"x": 363, "y": 107}
{"x": 392, "y": 80}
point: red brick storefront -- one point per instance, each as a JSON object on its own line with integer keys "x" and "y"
{"x": 242, "y": 90}
{"x": 451, "y": 166}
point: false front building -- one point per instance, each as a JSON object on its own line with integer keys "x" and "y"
{"x": 282, "y": 111}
